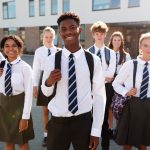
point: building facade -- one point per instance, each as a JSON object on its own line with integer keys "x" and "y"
{"x": 27, "y": 18}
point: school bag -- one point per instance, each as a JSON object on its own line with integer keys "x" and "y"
{"x": 119, "y": 101}
{"x": 90, "y": 63}
{"x": 107, "y": 53}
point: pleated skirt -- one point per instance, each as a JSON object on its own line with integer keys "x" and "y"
{"x": 133, "y": 127}
{"x": 11, "y": 109}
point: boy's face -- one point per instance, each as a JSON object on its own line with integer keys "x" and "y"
{"x": 69, "y": 31}
{"x": 48, "y": 38}
{"x": 99, "y": 37}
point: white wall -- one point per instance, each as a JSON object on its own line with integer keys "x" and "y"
{"x": 84, "y": 10}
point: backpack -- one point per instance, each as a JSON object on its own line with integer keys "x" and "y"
{"x": 90, "y": 63}
{"x": 107, "y": 53}
{"x": 2, "y": 64}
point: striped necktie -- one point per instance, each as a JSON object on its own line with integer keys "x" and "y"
{"x": 145, "y": 82}
{"x": 116, "y": 63}
{"x": 49, "y": 52}
{"x": 99, "y": 54}
{"x": 72, "y": 86}
{"x": 8, "y": 87}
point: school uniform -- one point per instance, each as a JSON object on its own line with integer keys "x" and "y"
{"x": 64, "y": 126}
{"x": 17, "y": 106}
{"x": 134, "y": 125}
{"x": 109, "y": 71}
{"x": 1, "y": 57}
{"x": 41, "y": 55}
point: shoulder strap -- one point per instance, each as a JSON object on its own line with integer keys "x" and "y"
{"x": 134, "y": 72}
{"x": 2, "y": 64}
{"x": 92, "y": 49}
{"x": 107, "y": 56}
{"x": 90, "y": 63}
{"x": 57, "y": 66}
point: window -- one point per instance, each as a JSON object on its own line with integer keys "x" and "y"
{"x": 66, "y": 5}
{"x": 11, "y": 30}
{"x": 82, "y": 35}
{"x": 105, "y": 4}
{"x": 54, "y": 7}
{"x": 31, "y": 8}
{"x": 133, "y": 3}
{"x": 9, "y": 10}
{"x": 42, "y": 7}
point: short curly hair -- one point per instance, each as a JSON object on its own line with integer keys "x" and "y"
{"x": 16, "y": 39}
{"x": 68, "y": 15}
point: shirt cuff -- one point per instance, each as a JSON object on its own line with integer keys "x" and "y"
{"x": 26, "y": 116}
{"x": 47, "y": 91}
{"x": 124, "y": 92}
{"x": 96, "y": 132}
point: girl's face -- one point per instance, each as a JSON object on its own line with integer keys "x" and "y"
{"x": 48, "y": 38}
{"x": 145, "y": 46}
{"x": 11, "y": 50}
{"x": 116, "y": 42}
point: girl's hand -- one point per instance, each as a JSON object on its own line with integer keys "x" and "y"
{"x": 23, "y": 125}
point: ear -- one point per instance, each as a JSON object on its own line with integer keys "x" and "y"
{"x": 80, "y": 29}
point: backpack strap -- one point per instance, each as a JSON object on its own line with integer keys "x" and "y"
{"x": 90, "y": 62}
{"x": 92, "y": 49}
{"x": 134, "y": 72}
{"x": 57, "y": 66}
{"x": 2, "y": 64}
{"x": 107, "y": 55}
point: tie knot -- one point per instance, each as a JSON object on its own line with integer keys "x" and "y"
{"x": 9, "y": 65}
{"x": 146, "y": 64}
{"x": 71, "y": 56}
{"x": 49, "y": 52}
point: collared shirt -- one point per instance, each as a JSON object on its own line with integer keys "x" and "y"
{"x": 1, "y": 57}
{"x": 109, "y": 71}
{"x": 58, "y": 106}
{"x": 125, "y": 77}
{"x": 21, "y": 81}
{"x": 127, "y": 58}
{"x": 41, "y": 55}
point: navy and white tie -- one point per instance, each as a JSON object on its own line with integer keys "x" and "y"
{"x": 99, "y": 54}
{"x": 49, "y": 52}
{"x": 116, "y": 63}
{"x": 8, "y": 87}
{"x": 72, "y": 86}
{"x": 145, "y": 82}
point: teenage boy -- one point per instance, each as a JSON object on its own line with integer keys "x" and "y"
{"x": 108, "y": 60}
{"x": 77, "y": 112}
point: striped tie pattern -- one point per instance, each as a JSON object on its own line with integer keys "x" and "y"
{"x": 99, "y": 54}
{"x": 8, "y": 87}
{"x": 72, "y": 86}
{"x": 145, "y": 82}
{"x": 116, "y": 63}
{"x": 49, "y": 52}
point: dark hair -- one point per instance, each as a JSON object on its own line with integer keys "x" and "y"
{"x": 68, "y": 15}
{"x": 15, "y": 38}
{"x": 121, "y": 48}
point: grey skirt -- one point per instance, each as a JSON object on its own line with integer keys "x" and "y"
{"x": 133, "y": 127}
{"x": 11, "y": 109}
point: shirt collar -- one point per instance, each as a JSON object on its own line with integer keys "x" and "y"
{"x": 76, "y": 54}
{"x": 141, "y": 61}
{"x": 101, "y": 48}
{"x": 15, "y": 61}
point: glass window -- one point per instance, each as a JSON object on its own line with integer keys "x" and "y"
{"x": 82, "y": 35}
{"x": 42, "y": 7}
{"x": 105, "y": 4}
{"x": 31, "y": 8}
{"x": 133, "y": 3}
{"x": 12, "y": 30}
{"x": 66, "y": 5}
{"x": 9, "y": 10}
{"x": 54, "y": 7}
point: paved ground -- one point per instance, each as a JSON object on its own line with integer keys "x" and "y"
{"x": 36, "y": 114}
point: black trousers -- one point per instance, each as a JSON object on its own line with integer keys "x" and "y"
{"x": 62, "y": 131}
{"x": 105, "y": 126}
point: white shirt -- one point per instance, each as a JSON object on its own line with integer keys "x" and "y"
{"x": 1, "y": 57}
{"x": 125, "y": 77}
{"x": 109, "y": 71}
{"x": 40, "y": 57}
{"x": 127, "y": 58}
{"x": 59, "y": 104}
{"x": 21, "y": 81}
